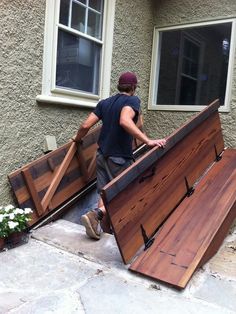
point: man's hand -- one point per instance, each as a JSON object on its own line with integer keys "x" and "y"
{"x": 126, "y": 121}
{"x": 159, "y": 143}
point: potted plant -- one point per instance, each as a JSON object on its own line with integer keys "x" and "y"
{"x": 13, "y": 221}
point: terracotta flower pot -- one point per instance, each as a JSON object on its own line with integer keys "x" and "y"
{"x": 15, "y": 238}
{"x": 2, "y": 243}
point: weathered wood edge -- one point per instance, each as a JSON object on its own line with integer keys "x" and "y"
{"x": 119, "y": 183}
{"x": 89, "y": 139}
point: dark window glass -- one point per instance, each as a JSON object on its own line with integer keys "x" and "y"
{"x": 78, "y": 17}
{"x": 95, "y": 4}
{"x": 78, "y": 63}
{"x": 64, "y": 12}
{"x": 94, "y": 24}
{"x": 193, "y": 65}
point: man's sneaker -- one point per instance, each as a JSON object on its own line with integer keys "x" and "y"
{"x": 92, "y": 224}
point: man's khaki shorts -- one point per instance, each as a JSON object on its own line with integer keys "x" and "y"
{"x": 108, "y": 168}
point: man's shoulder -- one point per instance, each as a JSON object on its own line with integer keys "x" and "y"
{"x": 135, "y": 99}
{"x": 121, "y": 99}
{"x": 108, "y": 99}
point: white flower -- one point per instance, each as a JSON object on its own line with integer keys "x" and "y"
{"x": 18, "y": 211}
{"x": 1, "y": 207}
{"x": 8, "y": 207}
{"x": 11, "y": 215}
{"x": 28, "y": 210}
{"x": 12, "y": 224}
{"x": 1, "y": 218}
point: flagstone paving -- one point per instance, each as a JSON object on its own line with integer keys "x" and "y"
{"x": 60, "y": 270}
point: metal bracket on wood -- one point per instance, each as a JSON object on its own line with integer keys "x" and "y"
{"x": 147, "y": 241}
{"x": 218, "y": 156}
{"x": 190, "y": 190}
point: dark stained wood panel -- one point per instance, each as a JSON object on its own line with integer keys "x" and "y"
{"x": 153, "y": 194}
{"x": 196, "y": 229}
{"x": 31, "y": 182}
{"x": 121, "y": 182}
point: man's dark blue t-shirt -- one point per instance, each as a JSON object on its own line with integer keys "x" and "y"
{"x": 113, "y": 139}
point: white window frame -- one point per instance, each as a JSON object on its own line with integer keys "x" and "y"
{"x": 55, "y": 95}
{"x": 156, "y": 63}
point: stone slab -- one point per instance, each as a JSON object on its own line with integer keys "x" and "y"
{"x": 59, "y": 302}
{"x": 36, "y": 275}
{"x": 40, "y": 277}
{"x": 72, "y": 238}
{"x": 119, "y": 296}
{"x": 37, "y": 265}
{"x": 224, "y": 262}
{"x": 218, "y": 291}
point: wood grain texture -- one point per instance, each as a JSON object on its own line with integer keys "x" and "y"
{"x": 123, "y": 180}
{"x": 58, "y": 176}
{"x": 32, "y": 190}
{"x": 31, "y": 183}
{"x": 149, "y": 200}
{"x": 196, "y": 229}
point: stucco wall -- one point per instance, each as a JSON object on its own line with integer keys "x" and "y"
{"x": 24, "y": 123}
{"x": 132, "y": 46}
{"x": 175, "y": 12}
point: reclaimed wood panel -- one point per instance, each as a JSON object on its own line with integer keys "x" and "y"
{"x": 196, "y": 229}
{"x": 121, "y": 182}
{"x": 31, "y": 183}
{"x": 151, "y": 197}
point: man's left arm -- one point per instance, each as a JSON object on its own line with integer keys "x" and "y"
{"x": 126, "y": 121}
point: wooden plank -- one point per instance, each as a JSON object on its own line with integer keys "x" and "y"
{"x": 43, "y": 171}
{"x": 51, "y": 164}
{"x": 31, "y": 188}
{"x": 60, "y": 173}
{"x": 148, "y": 201}
{"x": 42, "y": 182}
{"x": 195, "y": 230}
{"x": 123, "y": 180}
{"x": 82, "y": 162}
{"x": 57, "y": 156}
{"x": 197, "y": 209}
{"x": 92, "y": 166}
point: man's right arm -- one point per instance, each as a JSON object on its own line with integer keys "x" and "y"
{"x": 85, "y": 126}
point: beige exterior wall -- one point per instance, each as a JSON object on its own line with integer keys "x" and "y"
{"x": 132, "y": 47}
{"x": 175, "y": 12}
{"x": 24, "y": 123}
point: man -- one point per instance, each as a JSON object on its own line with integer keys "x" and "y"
{"x": 119, "y": 114}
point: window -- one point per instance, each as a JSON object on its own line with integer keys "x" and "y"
{"x": 78, "y": 38}
{"x": 190, "y": 66}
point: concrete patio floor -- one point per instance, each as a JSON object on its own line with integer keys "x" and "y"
{"x": 60, "y": 270}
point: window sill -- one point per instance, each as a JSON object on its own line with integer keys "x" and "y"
{"x": 183, "y": 108}
{"x": 46, "y": 99}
